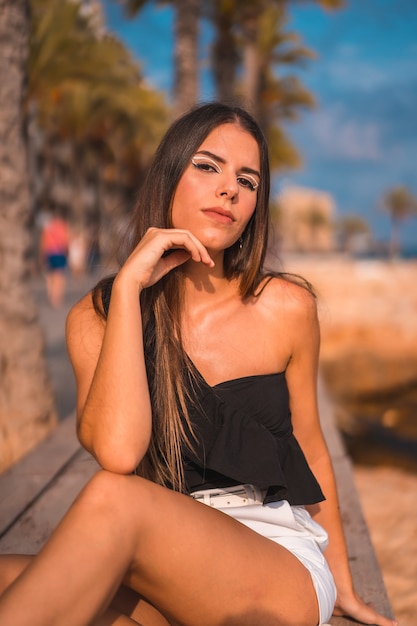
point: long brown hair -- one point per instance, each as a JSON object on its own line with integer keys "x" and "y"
{"x": 170, "y": 373}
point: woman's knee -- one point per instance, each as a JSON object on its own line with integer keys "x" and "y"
{"x": 119, "y": 498}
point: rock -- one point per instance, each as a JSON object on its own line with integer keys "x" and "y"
{"x": 368, "y": 318}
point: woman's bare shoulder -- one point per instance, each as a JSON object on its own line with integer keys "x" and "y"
{"x": 82, "y": 311}
{"x": 283, "y": 294}
{"x": 84, "y": 325}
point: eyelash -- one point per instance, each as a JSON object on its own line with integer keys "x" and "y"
{"x": 208, "y": 166}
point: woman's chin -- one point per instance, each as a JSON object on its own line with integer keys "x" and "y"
{"x": 216, "y": 244}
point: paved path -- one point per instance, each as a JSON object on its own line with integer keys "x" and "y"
{"x": 53, "y": 324}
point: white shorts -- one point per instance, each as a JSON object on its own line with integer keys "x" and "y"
{"x": 290, "y": 526}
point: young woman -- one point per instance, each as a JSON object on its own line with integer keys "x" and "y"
{"x": 196, "y": 376}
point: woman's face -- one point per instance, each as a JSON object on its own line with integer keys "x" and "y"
{"x": 216, "y": 195}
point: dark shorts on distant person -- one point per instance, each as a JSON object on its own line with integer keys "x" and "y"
{"x": 56, "y": 262}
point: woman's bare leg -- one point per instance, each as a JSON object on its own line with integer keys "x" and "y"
{"x": 55, "y": 283}
{"x": 129, "y": 602}
{"x": 196, "y": 565}
{"x": 11, "y": 566}
{"x": 127, "y": 607}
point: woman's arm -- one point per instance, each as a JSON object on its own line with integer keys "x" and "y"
{"x": 113, "y": 405}
{"x": 302, "y": 383}
{"x": 114, "y": 416}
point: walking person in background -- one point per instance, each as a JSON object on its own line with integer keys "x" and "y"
{"x": 54, "y": 246}
{"x": 196, "y": 374}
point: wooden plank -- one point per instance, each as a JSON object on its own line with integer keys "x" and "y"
{"x": 364, "y": 565}
{"x": 24, "y": 481}
{"x": 365, "y": 569}
{"x": 34, "y": 526}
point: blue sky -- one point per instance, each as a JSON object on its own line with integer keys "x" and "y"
{"x": 361, "y": 138}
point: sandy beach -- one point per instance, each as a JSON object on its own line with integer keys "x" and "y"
{"x": 389, "y": 500}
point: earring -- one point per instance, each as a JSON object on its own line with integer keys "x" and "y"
{"x": 240, "y": 243}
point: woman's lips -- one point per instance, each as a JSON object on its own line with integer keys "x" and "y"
{"x": 219, "y": 215}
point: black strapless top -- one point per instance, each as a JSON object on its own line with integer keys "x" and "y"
{"x": 243, "y": 435}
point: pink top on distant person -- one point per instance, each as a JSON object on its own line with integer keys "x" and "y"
{"x": 55, "y": 237}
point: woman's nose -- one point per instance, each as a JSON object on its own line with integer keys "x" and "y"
{"x": 228, "y": 187}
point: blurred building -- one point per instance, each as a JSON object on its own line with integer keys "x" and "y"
{"x": 306, "y": 220}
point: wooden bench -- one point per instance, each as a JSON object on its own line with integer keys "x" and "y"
{"x": 363, "y": 562}
{"x": 36, "y": 492}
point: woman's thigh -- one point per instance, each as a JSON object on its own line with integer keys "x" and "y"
{"x": 11, "y": 566}
{"x": 199, "y": 566}
{"x": 129, "y": 602}
{"x": 126, "y": 601}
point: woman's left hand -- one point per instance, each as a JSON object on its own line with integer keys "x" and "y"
{"x": 355, "y": 607}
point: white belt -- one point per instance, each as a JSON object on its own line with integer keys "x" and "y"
{"x": 240, "y": 495}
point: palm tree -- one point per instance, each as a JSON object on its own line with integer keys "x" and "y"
{"x": 249, "y": 36}
{"x": 225, "y": 53}
{"x": 316, "y": 221}
{"x": 238, "y": 25}
{"x": 91, "y": 100}
{"x": 252, "y": 41}
{"x": 351, "y": 226}
{"x": 186, "y": 70}
{"x": 400, "y": 203}
{"x": 26, "y": 405}
{"x": 186, "y": 54}
{"x": 278, "y": 99}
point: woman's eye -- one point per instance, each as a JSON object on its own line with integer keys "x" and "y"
{"x": 205, "y": 165}
{"x": 249, "y": 183}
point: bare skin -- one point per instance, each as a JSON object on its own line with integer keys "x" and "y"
{"x": 200, "y": 540}
{"x": 127, "y": 608}
{"x": 194, "y": 564}
{"x": 55, "y": 283}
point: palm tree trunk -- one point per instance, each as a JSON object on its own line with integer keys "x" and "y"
{"x": 251, "y": 64}
{"x": 26, "y": 404}
{"x": 225, "y": 56}
{"x": 394, "y": 240}
{"x": 186, "y": 54}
